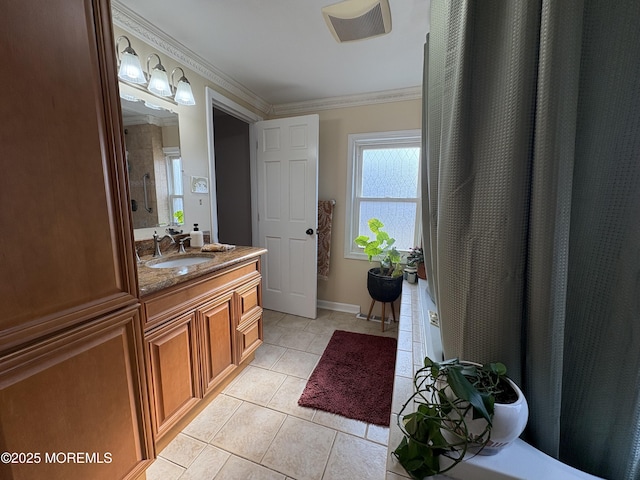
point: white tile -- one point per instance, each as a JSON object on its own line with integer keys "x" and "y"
{"x": 249, "y": 432}
{"x": 293, "y": 322}
{"x": 338, "y": 422}
{"x": 286, "y": 399}
{"x": 319, "y": 344}
{"x": 272, "y": 333}
{"x": 183, "y": 450}
{"x": 240, "y": 469}
{"x": 207, "y": 464}
{"x": 255, "y": 385}
{"x": 212, "y": 418}
{"x": 267, "y": 355}
{"x": 418, "y": 358}
{"x": 346, "y": 459}
{"x": 378, "y": 434}
{"x": 405, "y": 342}
{"x": 402, "y": 390}
{"x": 404, "y": 363}
{"x": 296, "y": 339}
{"x": 322, "y": 326}
{"x": 296, "y": 363}
{"x": 300, "y": 449}
{"x": 271, "y": 317}
{"x": 162, "y": 469}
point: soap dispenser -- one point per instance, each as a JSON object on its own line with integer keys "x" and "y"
{"x": 197, "y": 240}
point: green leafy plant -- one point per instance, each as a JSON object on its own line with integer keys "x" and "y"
{"x": 437, "y": 425}
{"x": 381, "y": 246}
{"x": 178, "y": 215}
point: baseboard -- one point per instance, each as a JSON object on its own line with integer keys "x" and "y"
{"x": 339, "y": 307}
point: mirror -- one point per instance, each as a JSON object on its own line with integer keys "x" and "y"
{"x": 152, "y": 140}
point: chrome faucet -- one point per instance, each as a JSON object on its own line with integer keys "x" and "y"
{"x": 156, "y": 242}
{"x": 182, "y": 240}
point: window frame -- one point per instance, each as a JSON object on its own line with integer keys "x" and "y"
{"x": 170, "y": 154}
{"x": 357, "y": 142}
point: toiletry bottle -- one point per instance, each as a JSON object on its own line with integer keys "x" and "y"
{"x": 197, "y": 239}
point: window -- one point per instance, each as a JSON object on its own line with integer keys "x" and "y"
{"x": 383, "y": 182}
{"x": 175, "y": 189}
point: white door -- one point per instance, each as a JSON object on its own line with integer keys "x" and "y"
{"x": 287, "y": 165}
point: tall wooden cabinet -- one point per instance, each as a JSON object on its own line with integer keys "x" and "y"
{"x": 73, "y": 397}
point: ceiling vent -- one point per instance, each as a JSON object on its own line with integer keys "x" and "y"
{"x": 358, "y": 19}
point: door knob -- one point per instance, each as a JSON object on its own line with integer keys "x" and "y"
{"x": 309, "y": 231}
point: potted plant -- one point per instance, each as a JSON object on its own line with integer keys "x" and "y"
{"x": 458, "y": 407}
{"x": 416, "y": 259}
{"x": 384, "y": 283}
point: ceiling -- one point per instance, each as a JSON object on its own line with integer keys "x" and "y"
{"x": 282, "y": 51}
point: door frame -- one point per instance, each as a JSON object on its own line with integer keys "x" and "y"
{"x": 218, "y": 100}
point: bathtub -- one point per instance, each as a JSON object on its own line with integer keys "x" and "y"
{"x": 519, "y": 461}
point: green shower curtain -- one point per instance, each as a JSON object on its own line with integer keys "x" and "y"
{"x": 531, "y": 211}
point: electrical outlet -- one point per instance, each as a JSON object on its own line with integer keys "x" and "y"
{"x": 433, "y": 319}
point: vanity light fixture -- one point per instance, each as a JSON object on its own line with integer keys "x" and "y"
{"x": 158, "y": 81}
{"x": 130, "y": 69}
{"x": 183, "y": 93}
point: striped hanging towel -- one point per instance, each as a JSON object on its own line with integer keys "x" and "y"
{"x": 325, "y": 218}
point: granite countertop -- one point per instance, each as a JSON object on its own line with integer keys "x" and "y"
{"x": 151, "y": 280}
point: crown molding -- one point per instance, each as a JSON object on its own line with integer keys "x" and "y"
{"x": 130, "y": 21}
{"x": 137, "y": 26}
{"x": 310, "y": 106}
{"x": 131, "y": 120}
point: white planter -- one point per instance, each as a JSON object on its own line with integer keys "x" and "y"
{"x": 508, "y": 422}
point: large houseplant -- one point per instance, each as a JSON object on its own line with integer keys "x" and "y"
{"x": 384, "y": 283}
{"x": 381, "y": 246}
{"x": 458, "y": 407}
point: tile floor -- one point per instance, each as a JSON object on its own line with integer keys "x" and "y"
{"x": 255, "y": 429}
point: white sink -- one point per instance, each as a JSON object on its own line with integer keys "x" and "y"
{"x": 178, "y": 262}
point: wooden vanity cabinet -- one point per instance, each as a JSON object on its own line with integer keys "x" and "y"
{"x": 198, "y": 334}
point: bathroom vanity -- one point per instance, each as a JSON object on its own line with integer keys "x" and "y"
{"x": 201, "y": 325}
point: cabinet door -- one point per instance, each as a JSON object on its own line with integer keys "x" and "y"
{"x": 249, "y": 336}
{"x": 250, "y": 299}
{"x": 173, "y": 372}
{"x": 64, "y": 182}
{"x": 72, "y": 405}
{"x": 217, "y": 327}
{"x": 249, "y": 333}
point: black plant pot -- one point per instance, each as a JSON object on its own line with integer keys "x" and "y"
{"x": 383, "y": 288}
